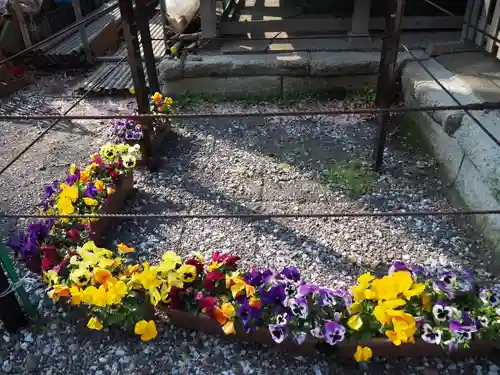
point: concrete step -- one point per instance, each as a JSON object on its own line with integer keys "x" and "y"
{"x": 272, "y": 74}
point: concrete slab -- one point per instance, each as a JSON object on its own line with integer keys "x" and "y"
{"x": 412, "y": 40}
{"x": 294, "y": 85}
{"x": 231, "y": 87}
{"x": 287, "y": 64}
{"x": 479, "y": 70}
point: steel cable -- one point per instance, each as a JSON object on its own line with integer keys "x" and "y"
{"x": 58, "y": 119}
{"x": 257, "y": 216}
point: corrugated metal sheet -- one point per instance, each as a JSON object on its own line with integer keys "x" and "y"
{"x": 117, "y": 83}
{"x": 68, "y": 49}
{"x": 155, "y": 27}
{"x": 120, "y": 81}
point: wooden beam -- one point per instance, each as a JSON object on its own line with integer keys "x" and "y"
{"x": 16, "y": 7}
{"x": 361, "y": 18}
{"x": 467, "y": 20}
{"x": 334, "y": 25}
{"x": 208, "y": 14}
{"x": 77, "y": 8}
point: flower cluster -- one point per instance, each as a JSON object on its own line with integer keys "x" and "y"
{"x": 83, "y": 191}
{"x": 104, "y": 285}
{"x": 445, "y": 309}
{"x": 160, "y": 104}
{"x": 402, "y": 306}
{"x": 124, "y": 131}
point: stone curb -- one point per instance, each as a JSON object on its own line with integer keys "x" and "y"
{"x": 298, "y": 64}
{"x": 419, "y": 84}
{"x": 466, "y": 178}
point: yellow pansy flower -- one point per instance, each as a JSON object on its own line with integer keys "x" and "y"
{"x": 187, "y": 273}
{"x": 362, "y": 354}
{"x": 124, "y": 249}
{"x": 355, "y": 322}
{"x": 146, "y": 329}
{"x": 91, "y": 201}
{"x": 76, "y": 295}
{"x": 94, "y": 324}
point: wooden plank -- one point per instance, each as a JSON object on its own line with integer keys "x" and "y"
{"x": 208, "y": 14}
{"x": 481, "y": 23}
{"x": 467, "y": 20}
{"x": 361, "y": 17}
{"x": 474, "y": 18}
{"x": 21, "y": 22}
{"x": 492, "y": 28}
{"x": 333, "y": 25}
{"x": 77, "y": 8}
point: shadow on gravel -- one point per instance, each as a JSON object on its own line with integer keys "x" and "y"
{"x": 408, "y": 181}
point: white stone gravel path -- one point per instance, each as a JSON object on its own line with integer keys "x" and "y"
{"x": 251, "y": 165}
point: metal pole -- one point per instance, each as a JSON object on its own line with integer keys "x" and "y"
{"x": 137, "y": 71}
{"x": 387, "y": 73}
{"x": 77, "y": 8}
{"x": 142, "y": 15}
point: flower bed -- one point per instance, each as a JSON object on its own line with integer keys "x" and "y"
{"x": 131, "y": 132}
{"x": 406, "y": 312}
{"x": 100, "y": 187}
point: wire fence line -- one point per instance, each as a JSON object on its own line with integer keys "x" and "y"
{"x": 260, "y": 216}
{"x": 57, "y": 120}
{"x": 330, "y": 112}
{"x": 65, "y": 116}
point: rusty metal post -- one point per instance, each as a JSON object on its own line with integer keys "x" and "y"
{"x": 137, "y": 71}
{"x": 386, "y": 82}
{"x": 142, "y": 15}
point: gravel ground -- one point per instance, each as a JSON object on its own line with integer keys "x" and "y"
{"x": 235, "y": 166}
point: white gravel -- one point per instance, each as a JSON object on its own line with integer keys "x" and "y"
{"x": 254, "y": 165}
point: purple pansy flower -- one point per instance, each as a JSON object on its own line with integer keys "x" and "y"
{"x": 483, "y": 321}
{"x": 415, "y": 270}
{"x": 328, "y": 297}
{"x": 291, "y": 273}
{"x": 50, "y": 190}
{"x": 299, "y": 307}
{"x": 333, "y": 333}
{"x": 299, "y": 337}
{"x": 307, "y": 289}
{"x": 291, "y": 289}
{"x": 275, "y": 295}
{"x": 72, "y": 178}
{"x": 443, "y": 312}
{"x": 257, "y": 278}
{"x": 431, "y": 335}
{"x": 450, "y": 283}
{"x": 128, "y": 130}
{"x": 91, "y": 190}
{"x": 461, "y": 331}
{"x": 490, "y": 296}
{"x": 278, "y": 332}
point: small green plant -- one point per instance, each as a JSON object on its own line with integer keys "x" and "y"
{"x": 363, "y": 95}
{"x": 352, "y": 178}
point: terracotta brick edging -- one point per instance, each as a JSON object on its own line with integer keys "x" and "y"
{"x": 380, "y": 347}
{"x": 124, "y": 189}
